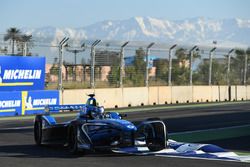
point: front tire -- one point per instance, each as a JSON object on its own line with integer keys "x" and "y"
{"x": 156, "y": 135}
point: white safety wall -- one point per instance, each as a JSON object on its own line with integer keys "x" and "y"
{"x": 137, "y": 96}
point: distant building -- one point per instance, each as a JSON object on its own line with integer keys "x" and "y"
{"x": 184, "y": 63}
{"x": 106, "y": 58}
{"x": 129, "y": 61}
{"x": 221, "y": 61}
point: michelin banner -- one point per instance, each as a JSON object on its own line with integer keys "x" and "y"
{"x": 27, "y": 102}
{"x": 19, "y": 73}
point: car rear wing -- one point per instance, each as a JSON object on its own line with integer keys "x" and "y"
{"x": 68, "y": 107}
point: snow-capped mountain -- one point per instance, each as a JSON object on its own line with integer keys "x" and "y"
{"x": 188, "y": 31}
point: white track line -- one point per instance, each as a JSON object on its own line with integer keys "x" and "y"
{"x": 207, "y": 130}
{"x": 17, "y": 128}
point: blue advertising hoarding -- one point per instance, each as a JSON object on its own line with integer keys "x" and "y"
{"x": 19, "y": 73}
{"x": 27, "y": 102}
{"x": 10, "y": 103}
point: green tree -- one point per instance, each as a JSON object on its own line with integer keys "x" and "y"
{"x": 13, "y": 34}
{"x": 182, "y": 56}
{"x": 237, "y": 67}
{"x": 114, "y": 75}
{"x": 161, "y": 70}
{"x": 248, "y": 68}
{"x": 54, "y": 69}
{"x": 180, "y": 74}
{"x": 218, "y": 73}
{"x": 136, "y": 73}
{"x": 180, "y": 70}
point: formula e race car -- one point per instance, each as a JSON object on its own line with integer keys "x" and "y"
{"x": 93, "y": 129}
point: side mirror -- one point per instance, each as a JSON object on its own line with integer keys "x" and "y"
{"x": 123, "y": 115}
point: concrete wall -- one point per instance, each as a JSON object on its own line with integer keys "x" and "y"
{"x": 181, "y": 94}
{"x": 241, "y": 92}
{"x": 165, "y": 94}
{"x": 202, "y": 93}
{"x": 224, "y": 96}
{"x": 137, "y": 96}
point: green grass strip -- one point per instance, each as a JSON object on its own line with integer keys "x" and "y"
{"x": 242, "y": 153}
{"x": 211, "y": 134}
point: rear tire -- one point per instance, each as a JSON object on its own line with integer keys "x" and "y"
{"x": 72, "y": 141}
{"x": 38, "y": 130}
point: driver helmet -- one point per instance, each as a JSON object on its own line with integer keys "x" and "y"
{"x": 99, "y": 112}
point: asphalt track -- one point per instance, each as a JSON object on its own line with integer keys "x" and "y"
{"x": 17, "y": 146}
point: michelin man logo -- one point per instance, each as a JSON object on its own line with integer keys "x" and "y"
{"x": 29, "y": 102}
{"x": 1, "y": 80}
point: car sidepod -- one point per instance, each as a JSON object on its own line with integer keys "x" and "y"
{"x": 106, "y": 134}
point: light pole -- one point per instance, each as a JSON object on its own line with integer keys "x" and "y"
{"x": 228, "y": 74}
{"x": 228, "y": 66}
{"x": 92, "y": 76}
{"x": 147, "y": 63}
{"x": 122, "y": 63}
{"x": 61, "y": 45}
{"x": 75, "y": 51}
{"x": 170, "y": 65}
{"x": 210, "y": 65}
{"x": 191, "y": 64}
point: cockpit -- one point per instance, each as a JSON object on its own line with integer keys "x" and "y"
{"x": 92, "y": 109}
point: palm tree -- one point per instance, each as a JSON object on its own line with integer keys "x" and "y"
{"x": 25, "y": 42}
{"x": 181, "y": 56}
{"x": 13, "y": 34}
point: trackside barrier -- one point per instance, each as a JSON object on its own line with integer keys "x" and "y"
{"x": 18, "y": 73}
{"x": 18, "y": 103}
{"x": 138, "y": 96}
{"x": 22, "y": 86}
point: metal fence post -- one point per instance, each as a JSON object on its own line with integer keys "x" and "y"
{"x": 92, "y": 76}
{"x": 228, "y": 66}
{"x": 60, "y": 78}
{"x": 147, "y": 63}
{"x": 191, "y": 65}
{"x": 122, "y": 63}
{"x": 245, "y": 70}
{"x": 170, "y": 65}
{"x": 210, "y": 66}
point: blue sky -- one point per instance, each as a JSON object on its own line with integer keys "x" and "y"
{"x": 79, "y": 13}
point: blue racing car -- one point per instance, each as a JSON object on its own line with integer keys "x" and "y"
{"x": 93, "y": 129}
